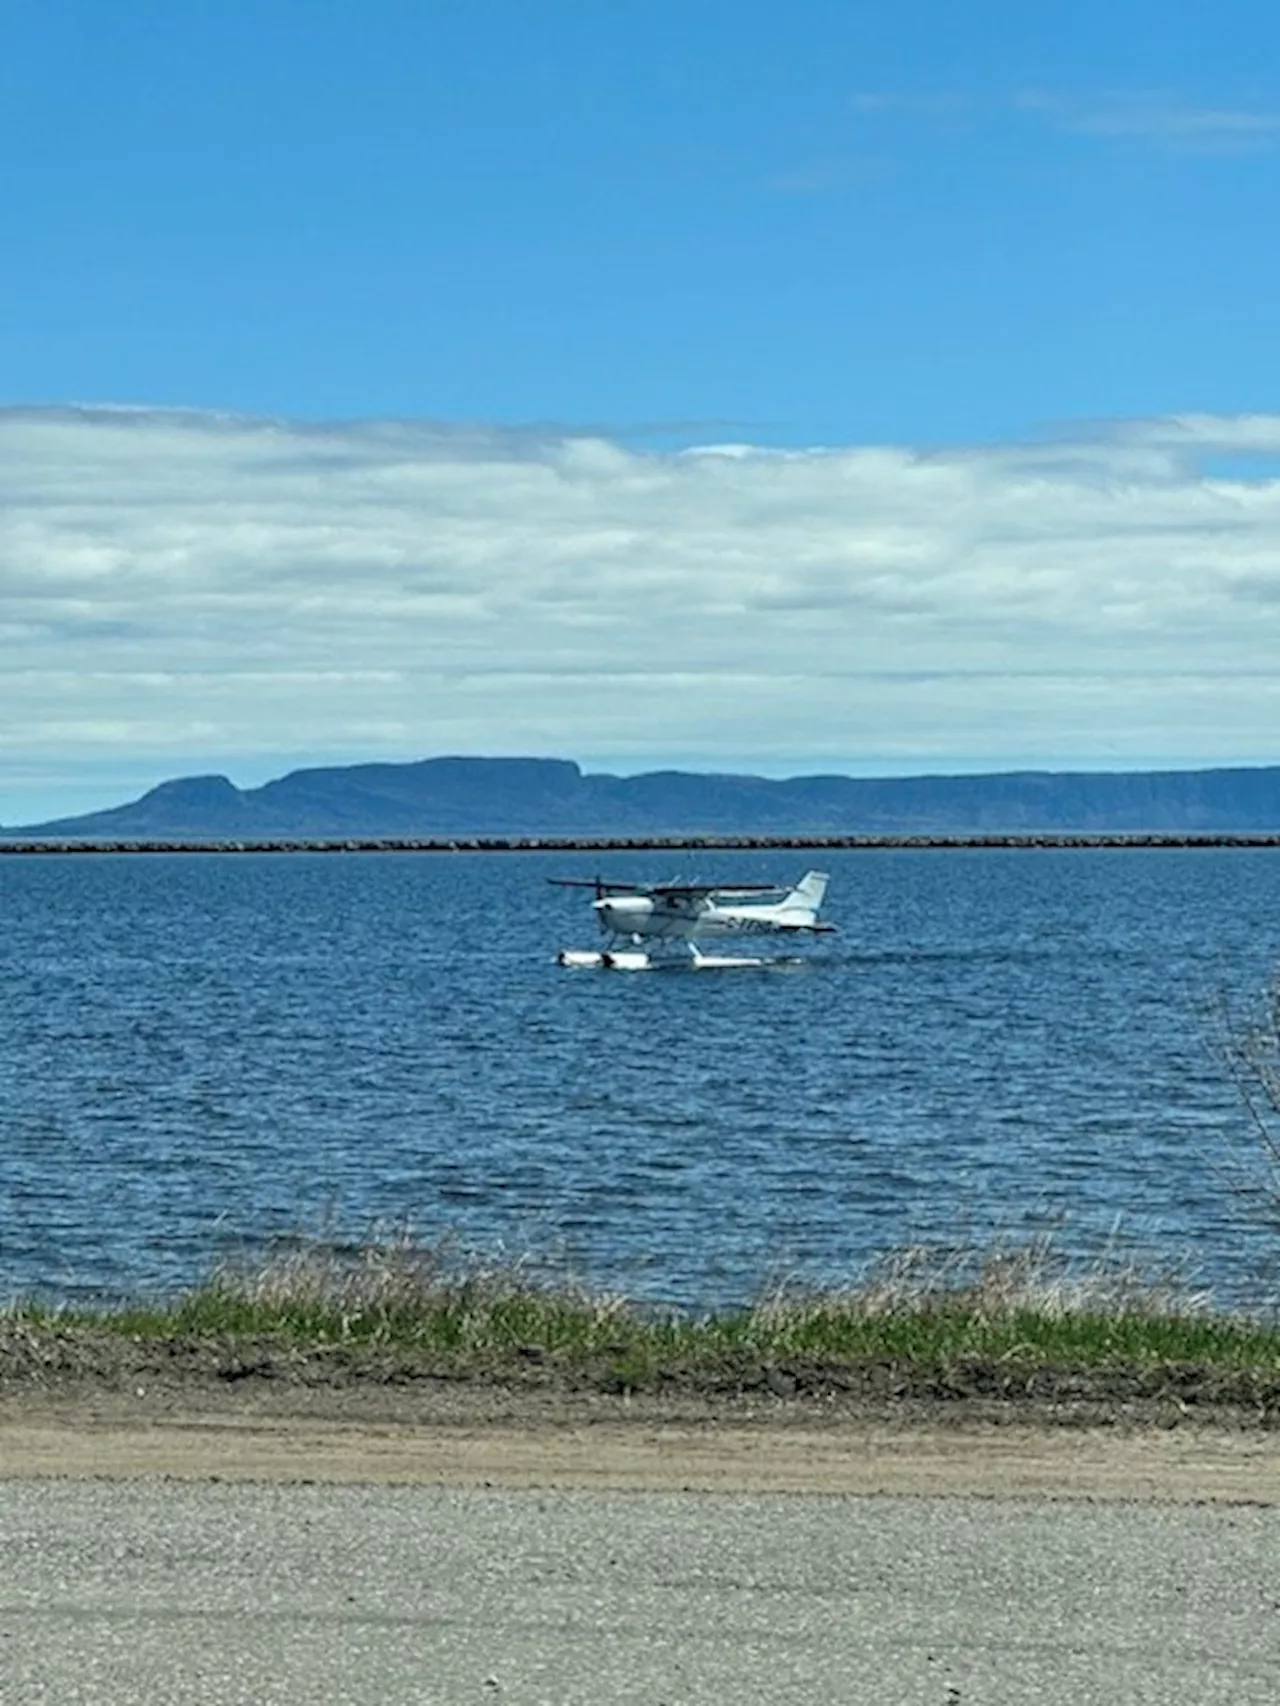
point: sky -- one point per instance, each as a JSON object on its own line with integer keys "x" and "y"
{"x": 859, "y": 385}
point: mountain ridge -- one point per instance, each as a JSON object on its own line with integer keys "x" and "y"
{"x": 450, "y": 796}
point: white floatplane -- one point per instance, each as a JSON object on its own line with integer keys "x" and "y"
{"x": 672, "y": 918}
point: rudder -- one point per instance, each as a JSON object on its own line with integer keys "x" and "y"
{"x": 808, "y": 893}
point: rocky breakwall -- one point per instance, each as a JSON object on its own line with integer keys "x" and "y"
{"x": 641, "y": 843}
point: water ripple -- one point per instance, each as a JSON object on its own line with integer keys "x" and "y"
{"x": 203, "y": 1051}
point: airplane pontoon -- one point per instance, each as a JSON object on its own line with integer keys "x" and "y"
{"x": 655, "y": 924}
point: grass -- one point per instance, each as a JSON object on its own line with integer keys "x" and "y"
{"x": 988, "y": 1321}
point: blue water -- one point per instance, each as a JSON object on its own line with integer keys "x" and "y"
{"x": 201, "y": 1053}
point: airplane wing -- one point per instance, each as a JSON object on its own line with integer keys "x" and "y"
{"x": 665, "y": 891}
{"x": 598, "y": 884}
{"x": 705, "y": 891}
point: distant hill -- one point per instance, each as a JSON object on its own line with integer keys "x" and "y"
{"x": 552, "y": 797}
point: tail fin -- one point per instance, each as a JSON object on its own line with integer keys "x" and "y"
{"x": 807, "y": 895}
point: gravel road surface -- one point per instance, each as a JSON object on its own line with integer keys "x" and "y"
{"x": 260, "y": 1595}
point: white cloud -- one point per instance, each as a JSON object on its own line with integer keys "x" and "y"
{"x": 184, "y": 589}
{"x": 1160, "y": 118}
{"x": 827, "y": 177}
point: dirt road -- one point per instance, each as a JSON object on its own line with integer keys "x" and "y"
{"x": 252, "y": 1544}
{"x": 463, "y": 1436}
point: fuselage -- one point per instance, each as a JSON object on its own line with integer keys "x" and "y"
{"x": 693, "y": 920}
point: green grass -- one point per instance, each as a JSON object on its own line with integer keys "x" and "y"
{"x": 1008, "y": 1311}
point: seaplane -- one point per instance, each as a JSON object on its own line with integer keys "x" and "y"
{"x": 651, "y": 925}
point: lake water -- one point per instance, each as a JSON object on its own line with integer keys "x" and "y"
{"x": 200, "y": 1053}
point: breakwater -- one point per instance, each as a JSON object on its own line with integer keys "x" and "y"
{"x": 1030, "y": 840}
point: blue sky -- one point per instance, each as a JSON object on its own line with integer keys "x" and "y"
{"x": 1007, "y": 274}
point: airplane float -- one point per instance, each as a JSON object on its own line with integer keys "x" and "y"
{"x": 672, "y": 918}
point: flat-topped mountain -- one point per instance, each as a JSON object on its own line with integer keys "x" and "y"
{"x": 553, "y": 797}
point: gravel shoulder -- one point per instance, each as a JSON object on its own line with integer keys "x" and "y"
{"x": 473, "y": 1434}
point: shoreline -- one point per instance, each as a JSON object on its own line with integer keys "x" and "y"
{"x": 388, "y": 1373}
